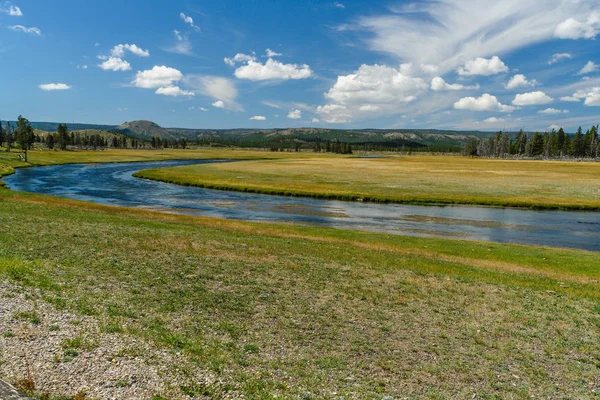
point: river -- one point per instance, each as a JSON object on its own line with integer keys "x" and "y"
{"x": 113, "y": 184}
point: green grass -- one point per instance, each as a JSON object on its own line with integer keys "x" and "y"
{"x": 409, "y": 179}
{"x": 304, "y": 312}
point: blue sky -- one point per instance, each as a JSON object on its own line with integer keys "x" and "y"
{"x": 444, "y": 64}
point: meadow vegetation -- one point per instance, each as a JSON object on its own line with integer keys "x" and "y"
{"x": 301, "y": 312}
{"x": 287, "y": 311}
{"x": 564, "y": 185}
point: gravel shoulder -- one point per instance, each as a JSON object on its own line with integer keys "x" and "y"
{"x": 68, "y": 355}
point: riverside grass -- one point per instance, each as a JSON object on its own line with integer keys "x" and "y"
{"x": 564, "y": 185}
{"x": 285, "y": 311}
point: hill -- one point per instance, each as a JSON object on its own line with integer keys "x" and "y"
{"x": 143, "y": 130}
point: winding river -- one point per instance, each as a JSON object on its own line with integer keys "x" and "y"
{"x": 113, "y": 184}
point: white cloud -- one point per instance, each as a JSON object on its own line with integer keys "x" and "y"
{"x": 520, "y": 80}
{"x": 218, "y": 104}
{"x": 239, "y": 58}
{"x": 589, "y": 68}
{"x": 455, "y": 31}
{"x": 438, "y": 84}
{"x": 182, "y": 44}
{"x": 554, "y": 127}
{"x": 335, "y": 113}
{"x": 115, "y": 64}
{"x": 173, "y": 91}
{"x": 217, "y": 87}
{"x": 270, "y": 53}
{"x": 54, "y": 86}
{"x": 272, "y": 70}
{"x": 315, "y": 120}
{"x": 493, "y": 120}
{"x": 572, "y": 28}
{"x": 559, "y": 57}
{"x": 188, "y": 20}
{"x": 375, "y": 84}
{"x": 483, "y": 66}
{"x": 551, "y": 111}
{"x": 82, "y": 67}
{"x": 385, "y": 87}
{"x": 14, "y": 11}
{"x": 591, "y": 96}
{"x": 339, "y": 5}
{"x": 295, "y": 114}
{"x": 570, "y": 99}
{"x": 157, "y": 77}
{"x": 119, "y": 50}
{"x": 430, "y": 69}
{"x": 486, "y": 102}
{"x": 258, "y": 118}
{"x": 202, "y": 109}
{"x": 532, "y": 99}
{"x": 32, "y": 31}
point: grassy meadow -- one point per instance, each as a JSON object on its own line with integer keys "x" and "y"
{"x": 287, "y": 311}
{"x": 405, "y": 179}
{"x": 278, "y": 311}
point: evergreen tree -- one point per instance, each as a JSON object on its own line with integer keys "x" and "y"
{"x": 1, "y": 134}
{"x": 24, "y": 134}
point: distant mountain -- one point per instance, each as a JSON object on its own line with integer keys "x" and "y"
{"x": 143, "y": 130}
{"x": 285, "y": 137}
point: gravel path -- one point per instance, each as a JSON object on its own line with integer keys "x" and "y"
{"x": 65, "y": 354}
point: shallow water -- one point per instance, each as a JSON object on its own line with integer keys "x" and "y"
{"x": 113, "y": 184}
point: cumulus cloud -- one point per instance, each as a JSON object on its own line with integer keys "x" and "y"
{"x": 270, "y": 53}
{"x": 295, "y": 114}
{"x": 520, "y": 80}
{"x": 315, "y": 120}
{"x": 588, "y": 68}
{"x": 551, "y": 111}
{"x": 272, "y": 70}
{"x": 182, "y": 44}
{"x": 239, "y": 58}
{"x": 339, "y": 5}
{"x": 188, "y": 20}
{"x": 173, "y": 91}
{"x": 572, "y": 28}
{"x": 558, "y": 57}
{"x": 115, "y": 64}
{"x": 486, "y": 102}
{"x": 13, "y": 11}
{"x": 54, "y": 86}
{"x": 430, "y": 69}
{"x": 532, "y": 99}
{"x": 381, "y": 88}
{"x": 591, "y": 96}
{"x": 32, "y": 31}
{"x": 218, "y": 104}
{"x": 119, "y": 50}
{"x": 493, "y": 120}
{"x": 483, "y": 66}
{"x": 258, "y": 118}
{"x": 157, "y": 77}
{"x": 440, "y": 85}
{"x": 375, "y": 84}
{"x": 570, "y": 99}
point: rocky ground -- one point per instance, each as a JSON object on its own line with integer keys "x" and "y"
{"x": 62, "y": 354}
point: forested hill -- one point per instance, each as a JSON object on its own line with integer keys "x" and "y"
{"x": 285, "y": 137}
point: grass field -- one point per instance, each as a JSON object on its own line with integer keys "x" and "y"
{"x": 408, "y": 179}
{"x": 283, "y": 311}
{"x": 300, "y": 312}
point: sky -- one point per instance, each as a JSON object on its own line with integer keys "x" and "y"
{"x": 435, "y": 64}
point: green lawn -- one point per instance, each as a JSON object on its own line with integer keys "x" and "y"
{"x": 297, "y": 312}
{"x": 408, "y": 179}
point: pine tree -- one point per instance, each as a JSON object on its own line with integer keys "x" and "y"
{"x": 24, "y": 134}
{"x": 1, "y": 134}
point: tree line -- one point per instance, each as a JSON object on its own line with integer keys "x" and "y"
{"x": 555, "y": 144}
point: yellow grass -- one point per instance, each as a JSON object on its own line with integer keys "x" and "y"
{"x": 408, "y": 179}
